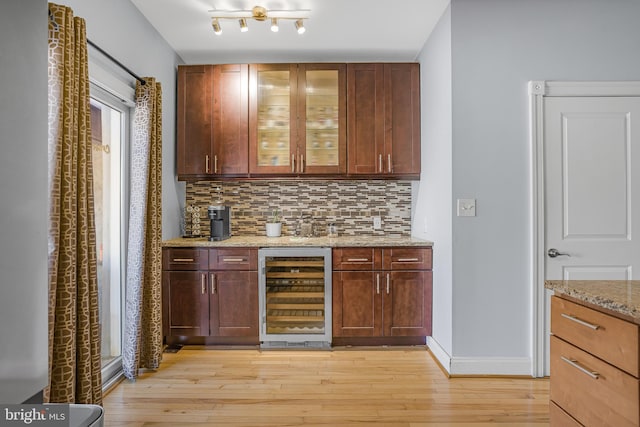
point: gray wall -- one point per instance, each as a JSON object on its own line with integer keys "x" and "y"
{"x": 497, "y": 47}
{"x": 23, "y": 191}
{"x": 120, "y": 29}
{"x": 432, "y": 214}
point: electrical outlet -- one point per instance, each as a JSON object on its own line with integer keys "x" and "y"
{"x": 377, "y": 223}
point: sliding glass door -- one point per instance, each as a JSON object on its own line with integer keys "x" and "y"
{"x": 109, "y": 128}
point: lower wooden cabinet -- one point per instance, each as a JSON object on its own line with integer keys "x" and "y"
{"x": 207, "y": 306}
{"x": 389, "y": 303}
{"x": 593, "y": 366}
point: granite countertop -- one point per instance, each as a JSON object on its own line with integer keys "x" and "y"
{"x": 332, "y": 242}
{"x": 617, "y": 296}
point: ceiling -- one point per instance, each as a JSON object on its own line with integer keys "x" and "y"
{"x": 337, "y": 30}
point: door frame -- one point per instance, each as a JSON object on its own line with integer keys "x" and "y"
{"x": 538, "y": 90}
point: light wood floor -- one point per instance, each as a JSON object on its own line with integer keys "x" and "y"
{"x": 343, "y": 387}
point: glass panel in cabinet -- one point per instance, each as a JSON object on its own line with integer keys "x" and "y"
{"x": 322, "y": 101}
{"x": 274, "y": 123}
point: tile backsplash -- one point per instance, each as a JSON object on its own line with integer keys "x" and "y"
{"x": 349, "y": 204}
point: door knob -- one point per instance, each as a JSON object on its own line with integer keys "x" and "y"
{"x": 554, "y": 253}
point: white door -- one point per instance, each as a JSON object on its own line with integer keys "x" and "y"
{"x": 591, "y": 197}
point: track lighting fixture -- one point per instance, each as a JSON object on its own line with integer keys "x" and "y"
{"x": 243, "y": 25}
{"x": 260, "y": 14}
{"x": 216, "y": 26}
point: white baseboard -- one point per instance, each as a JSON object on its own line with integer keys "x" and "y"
{"x": 439, "y": 353}
{"x": 507, "y": 366}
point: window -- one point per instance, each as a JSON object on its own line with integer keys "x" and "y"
{"x": 109, "y": 127}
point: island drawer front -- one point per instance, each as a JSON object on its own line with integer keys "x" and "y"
{"x": 350, "y": 259}
{"x": 242, "y": 259}
{"x": 595, "y": 392}
{"x": 185, "y": 259}
{"x": 607, "y": 337}
{"x": 406, "y": 258}
{"x": 559, "y": 418}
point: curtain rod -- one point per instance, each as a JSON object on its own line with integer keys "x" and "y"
{"x": 115, "y": 61}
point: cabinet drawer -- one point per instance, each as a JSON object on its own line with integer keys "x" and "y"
{"x": 591, "y": 390}
{"x": 609, "y": 338}
{"x": 351, "y": 259}
{"x": 233, "y": 259}
{"x": 559, "y": 418}
{"x": 185, "y": 259}
{"x": 406, "y": 258}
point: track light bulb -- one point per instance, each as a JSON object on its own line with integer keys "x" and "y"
{"x": 274, "y": 25}
{"x": 300, "y": 26}
{"x": 243, "y": 25}
{"x": 216, "y": 27}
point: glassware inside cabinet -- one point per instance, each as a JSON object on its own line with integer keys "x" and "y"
{"x": 322, "y": 108}
{"x": 274, "y": 123}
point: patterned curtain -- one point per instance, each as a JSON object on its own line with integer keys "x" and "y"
{"x": 142, "y": 346}
{"x": 74, "y": 329}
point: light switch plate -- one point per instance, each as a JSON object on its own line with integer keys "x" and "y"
{"x": 466, "y": 207}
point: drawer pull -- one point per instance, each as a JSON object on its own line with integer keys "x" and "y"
{"x": 580, "y": 321}
{"x": 233, "y": 259}
{"x": 357, "y": 259}
{"x": 574, "y": 363}
{"x": 408, "y": 260}
{"x": 183, "y": 260}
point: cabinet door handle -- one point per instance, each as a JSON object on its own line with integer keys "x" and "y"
{"x": 302, "y": 163}
{"x": 203, "y": 279}
{"x": 293, "y": 163}
{"x": 182, "y": 260}
{"x": 357, "y": 259}
{"x": 206, "y": 166}
{"x": 388, "y": 283}
{"x": 574, "y": 363}
{"x": 213, "y": 283}
{"x": 380, "y": 163}
{"x": 215, "y": 164}
{"x": 408, "y": 260}
{"x": 389, "y": 163}
{"x": 580, "y": 321}
{"x": 378, "y": 283}
{"x": 232, "y": 259}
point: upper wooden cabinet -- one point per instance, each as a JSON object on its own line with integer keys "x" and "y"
{"x": 297, "y": 116}
{"x": 383, "y": 116}
{"x": 213, "y": 120}
{"x": 328, "y": 120}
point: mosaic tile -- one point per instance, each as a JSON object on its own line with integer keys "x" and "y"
{"x": 348, "y": 204}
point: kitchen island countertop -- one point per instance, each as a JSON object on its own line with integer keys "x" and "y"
{"x": 291, "y": 241}
{"x": 620, "y": 297}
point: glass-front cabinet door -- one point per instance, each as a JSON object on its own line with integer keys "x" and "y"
{"x": 297, "y": 116}
{"x": 272, "y": 118}
{"x": 322, "y": 112}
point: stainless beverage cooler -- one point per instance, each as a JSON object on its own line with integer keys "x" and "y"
{"x": 295, "y": 297}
